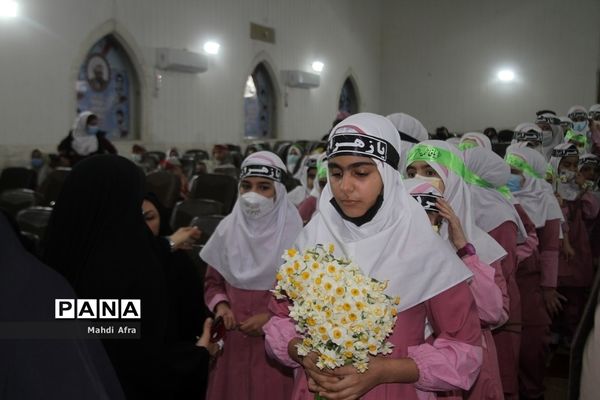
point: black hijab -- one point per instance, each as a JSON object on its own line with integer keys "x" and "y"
{"x": 164, "y": 228}
{"x": 43, "y": 367}
{"x": 97, "y": 238}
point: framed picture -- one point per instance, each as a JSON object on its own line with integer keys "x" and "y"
{"x": 97, "y": 72}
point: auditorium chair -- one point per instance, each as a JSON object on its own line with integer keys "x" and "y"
{"x": 185, "y": 211}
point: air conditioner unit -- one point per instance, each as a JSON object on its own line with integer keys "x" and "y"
{"x": 301, "y": 79}
{"x": 181, "y": 60}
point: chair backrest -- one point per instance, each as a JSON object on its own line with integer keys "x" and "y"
{"x": 16, "y": 178}
{"x": 207, "y": 225}
{"x": 14, "y": 200}
{"x": 52, "y": 185}
{"x": 198, "y": 153}
{"x": 221, "y": 188}
{"x": 185, "y": 211}
{"x": 165, "y": 186}
{"x": 161, "y": 155}
{"x": 34, "y": 220}
{"x": 228, "y": 170}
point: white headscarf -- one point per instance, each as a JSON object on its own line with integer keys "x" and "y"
{"x": 555, "y": 160}
{"x": 491, "y": 208}
{"x": 479, "y": 138}
{"x": 557, "y": 135}
{"x": 458, "y": 195}
{"x": 298, "y": 194}
{"x": 409, "y": 126}
{"x": 321, "y": 163}
{"x": 396, "y": 244}
{"x": 83, "y": 143}
{"x": 247, "y": 252}
{"x": 536, "y": 196}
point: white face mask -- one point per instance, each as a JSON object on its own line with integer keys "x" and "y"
{"x": 435, "y": 182}
{"x": 580, "y": 126}
{"x": 566, "y": 176}
{"x": 255, "y": 205}
{"x": 136, "y": 157}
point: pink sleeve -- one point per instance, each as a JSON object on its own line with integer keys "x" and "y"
{"x": 307, "y": 208}
{"x": 526, "y": 249}
{"x": 549, "y": 250}
{"x": 589, "y": 206}
{"x": 279, "y": 330}
{"x": 489, "y": 291}
{"x": 214, "y": 288}
{"x": 452, "y": 361}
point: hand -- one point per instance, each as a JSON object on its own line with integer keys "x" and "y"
{"x": 455, "y": 231}
{"x": 204, "y": 340}
{"x": 553, "y": 300}
{"x": 223, "y": 310}
{"x": 185, "y": 237}
{"x": 568, "y": 250}
{"x": 253, "y": 325}
{"x": 352, "y": 384}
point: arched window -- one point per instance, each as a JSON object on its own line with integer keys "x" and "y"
{"x": 107, "y": 85}
{"x": 348, "y": 99}
{"x": 259, "y": 105}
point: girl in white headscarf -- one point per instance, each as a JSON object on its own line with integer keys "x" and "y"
{"x": 367, "y": 214}
{"x": 552, "y": 132}
{"x": 411, "y": 132}
{"x": 530, "y": 135}
{"x": 306, "y": 175}
{"x": 536, "y": 275}
{"x": 243, "y": 256}
{"x": 496, "y": 214}
{"x": 85, "y": 139}
{"x": 310, "y": 205}
{"x": 488, "y": 286}
{"x": 580, "y": 208}
{"x": 442, "y": 164}
{"x": 581, "y": 124}
{"x": 474, "y": 139}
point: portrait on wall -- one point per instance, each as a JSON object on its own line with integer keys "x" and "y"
{"x": 98, "y": 72}
{"x": 104, "y": 86}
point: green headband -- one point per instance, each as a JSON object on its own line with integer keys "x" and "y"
{"x": 448, "y": 159}
{"x": 322, "y": 170}
{"x": 520, "y": 164}
{"x": 466, "y": 145}
{"x": 581, "y": 140}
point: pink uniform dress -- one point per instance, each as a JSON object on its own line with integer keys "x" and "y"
{"x": 576, "y": 273}
{"x": 507, "y": 337}
{"x": 244, "y": 371}
{"x": 536, "y": 272}
{"x": 490, "y": 292}
{"x": 449, "y": 361}
{"x": 243, "y": 255}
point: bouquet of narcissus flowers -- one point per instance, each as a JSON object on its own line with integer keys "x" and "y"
{"x": 341, "y": 314}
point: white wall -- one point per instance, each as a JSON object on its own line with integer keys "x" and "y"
{"x": 435, "y": 60}
{"x": 43, "y": 48}
{"x": 440, "y": 59}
